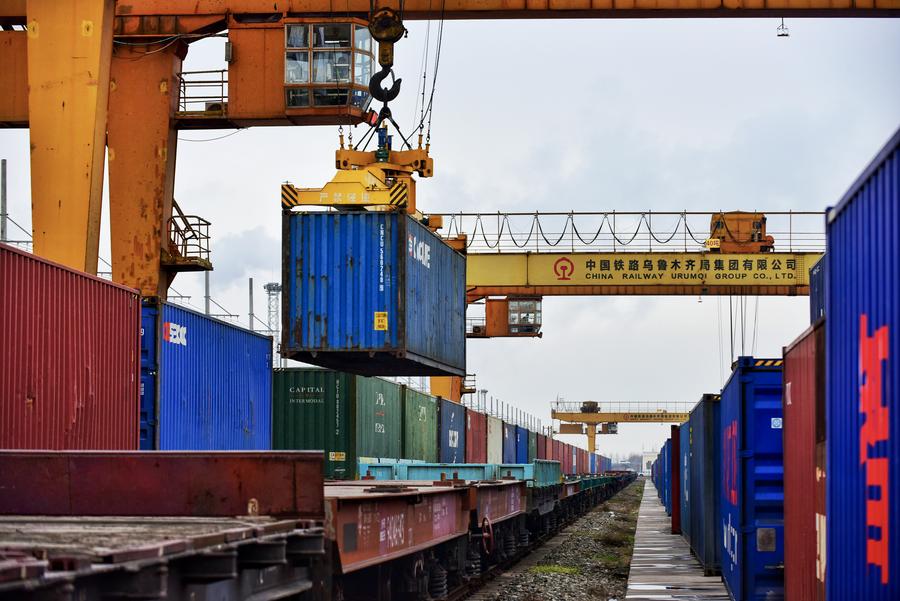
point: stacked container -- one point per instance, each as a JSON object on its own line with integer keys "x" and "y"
{"x": 706, "y": 483}
{"x": 684, "y": 480}
{"x": 521, "y": 445}
{"x": 804, "y": 420}
{"x": 509, "y": 443}
{"x": 863, "y": 384}
{"x": 476, "y": 437}
{"x": 540, "y": 446}
{"x": 453, "y": 432}
{"x": 206, "y": 385}
{"x": 675, "y": 478}
{"x": 420, "y": 423}
{"x": 347, "y": 416}
{"x": 69, "y": 355}
{"x": 752, "y": 504}
{"x": 495, "y": 434}
{"x": 532, "y": 446}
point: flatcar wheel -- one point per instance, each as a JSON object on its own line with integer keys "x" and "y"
{"x": 487, "y": 535}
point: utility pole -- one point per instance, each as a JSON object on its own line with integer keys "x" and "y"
{"x": 206, "y": 291}
{"x": 3, "y": 200}
{"x": 251, "y": 305}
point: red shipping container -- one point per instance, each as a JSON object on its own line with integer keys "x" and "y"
{"x": 568, "y": 468}
{"x": 541, "y": 446}
{"x": 548, "y": 452}
{"x": 70, "y": 357}
{"x": 803, "y": 402}
{"x": 476, "y": 437}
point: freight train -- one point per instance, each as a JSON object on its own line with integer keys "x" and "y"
{"x": 231, "y": 525}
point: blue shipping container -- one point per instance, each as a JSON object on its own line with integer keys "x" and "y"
{"x": 863, "y": 385}
{"x": 752, "y": 504}
{"x": 592, "y": 463}
{"x": 706, "y": 482}
{"x": 521, "y": 445}
{"x": 453, "y": 432}
{"x": 372, "y": 293}
{"x": 818, "y": 274}
{"x": 206, "y": 385}
{"x": 509, "y": 443}
{"x": 684, "y": 482}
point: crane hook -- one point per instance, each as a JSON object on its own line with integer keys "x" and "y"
{"x": 380, "y": 93}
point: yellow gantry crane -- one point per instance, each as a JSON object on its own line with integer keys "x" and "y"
{"x": 593, "y": 417}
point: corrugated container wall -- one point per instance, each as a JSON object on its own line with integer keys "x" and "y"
{"x": 206, "y": 385}
{"x": 521, "y": 445}
{"x": 69, "y": 357}
{"x": 541, "y": 448}
{"x": 509, "y": 443}
{"x": 548, "y": 451}
{"x": 803, "y": 403}
{"x": 494, "y": 440}
{"x": 532, "y": 446}
{"x": 373, "y": 293}
{"x": 818, "y": 275}
{"x": 684, "y": 479}
{"x": 706, "y": 483}
{"x": 453, "y": 432}
{"x": 667, "y": 476}
{"x": 346, "y": 416}
{"x": 420, "y": 424}
{"x": 752, "y": 505}
{"x": 863, "y": 384}
{"x": 476, "y": 437}
{"x": 592, "y": 463}
{"x": 675, "y": 478}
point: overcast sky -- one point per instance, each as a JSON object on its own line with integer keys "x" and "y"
{"x": 580, "y": 115}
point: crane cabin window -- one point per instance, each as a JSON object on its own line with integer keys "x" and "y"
{"x": 327, "y": 65}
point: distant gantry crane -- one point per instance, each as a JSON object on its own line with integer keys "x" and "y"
{"x": 592, "y": 417}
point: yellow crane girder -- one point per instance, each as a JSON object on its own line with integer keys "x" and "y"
{"x": 623, "y": 416}
{"x": 650, "y": 273}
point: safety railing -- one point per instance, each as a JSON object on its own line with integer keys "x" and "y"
{"x": 189, "y": 235}
{"x": 203, "y": 92}
{"x": 623, "y": 406}
{"x": 614, "y": 231}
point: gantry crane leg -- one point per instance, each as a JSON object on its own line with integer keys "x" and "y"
{"x": 69, "y": 48}
{"x": 592, "y": 437}
{"x": 142, "y": 142}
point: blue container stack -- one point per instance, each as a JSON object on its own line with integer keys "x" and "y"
{"x": 752, "y": 503}
{"x": 862, "y": 384}
{"x": 205, "y": 384}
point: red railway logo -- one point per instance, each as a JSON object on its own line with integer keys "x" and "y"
{"x": 563, "y": 268}
{"x": 874, "y": 434}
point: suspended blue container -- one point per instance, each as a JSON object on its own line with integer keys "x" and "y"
{"x": 521, "y": 445}
{"x": 509, "y": 443}
{"x": 706, "y": 483}
{"x": 684, "y": 482}
{"x": 452, "y": 420}
{"x": 752, "y": 503}
{"x": 206, "y": 385}
{"x": 372, "y": 293}
{"x": 863, "y": 385}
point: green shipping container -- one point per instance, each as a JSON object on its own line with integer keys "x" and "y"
{"x": 532, "y": 446}
{"x": 344, "y": 415}
{"x": 420, "y": 426}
